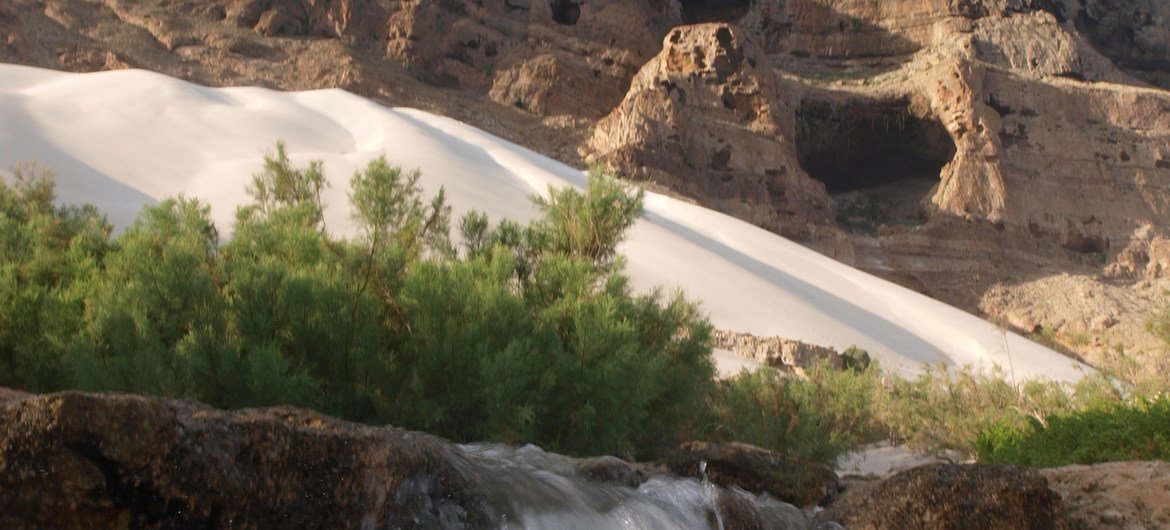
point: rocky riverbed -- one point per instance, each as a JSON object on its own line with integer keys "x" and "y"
{"x": 78, "y": 460}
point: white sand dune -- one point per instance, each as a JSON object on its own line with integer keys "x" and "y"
{"x": 124, "y": 138}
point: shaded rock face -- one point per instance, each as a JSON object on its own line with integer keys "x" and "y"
{"x": 75, "y": 460}
{"x": 756, "y": 470}
{"x": 1134, "y": 34}
{"x": 951, "y": 497}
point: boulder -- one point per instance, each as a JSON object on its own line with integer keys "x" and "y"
{"x": 756, "y": 470}
{"x": 75, "y": 460}
{"x": 610, "y": 469}
{"x": 952, "y": 497}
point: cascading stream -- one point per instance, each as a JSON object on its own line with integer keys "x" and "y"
{"x": 532, "y": 489}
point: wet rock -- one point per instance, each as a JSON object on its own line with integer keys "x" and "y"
{"x": 952, "y": 497}
{"x": 756, "y": 470}
{"x": 74, "y": 460}
{"x": 611, "y": 470}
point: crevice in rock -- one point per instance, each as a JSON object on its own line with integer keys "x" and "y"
{"x": 565, "y": 12}
{"x": 700, "y": 11}
{"x": 878, "y": 159}
{"x": 144, "y": 504}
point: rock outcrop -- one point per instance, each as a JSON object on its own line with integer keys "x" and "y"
{"x": 951, "y": 497}
{"x": 788, "y": 355}
{"x": 706, "y": 119}
{"x": 1115, "y": 495}
{"x": 74, "y": 460}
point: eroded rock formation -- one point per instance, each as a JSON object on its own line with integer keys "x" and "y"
{"x": 706, "y": 119}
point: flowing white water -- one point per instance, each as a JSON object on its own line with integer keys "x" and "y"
{"x": 532, "y": 489}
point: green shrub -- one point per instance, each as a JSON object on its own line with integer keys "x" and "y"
{"x": 532, "y": 335}
{"x": 1110, "y": 433}
{"x": 48, "y": 254}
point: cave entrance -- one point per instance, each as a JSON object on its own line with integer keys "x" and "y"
{"x": 878, "y": 160}
{"x": 700, "y": 11}
{"x": 565, "y": 12}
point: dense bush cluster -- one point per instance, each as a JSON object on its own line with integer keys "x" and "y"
{"x": 528, "y": 333}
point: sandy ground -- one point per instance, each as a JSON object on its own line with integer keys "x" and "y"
{"x": 122, "y": 139}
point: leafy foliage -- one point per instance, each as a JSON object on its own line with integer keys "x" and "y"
{"x": 1116, "y": 432}
{"x": 532, "y": 335}
{"x": 47, "y": 254}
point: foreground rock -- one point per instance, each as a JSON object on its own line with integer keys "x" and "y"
{"x": 109, "y": 461}
{"x": 74, "y": 460}
{"x": 952, "y": 496}
{"x": 1116, "y": 495}
{"x": 756, "y": 470}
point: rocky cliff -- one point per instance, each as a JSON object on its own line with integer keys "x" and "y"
{"x": 964, "y": 148}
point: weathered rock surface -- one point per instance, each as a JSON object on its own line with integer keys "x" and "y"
{"x": 756, "y": 470}
{"x": 1081, "y": 314}
{"x": 951, "y": 146}
{"x": 706, "y": 119}
{"x": 951, "y": 496}
{"x": 788, "y": 355}
{"x": 74, "y": 460}
{"x": 1117, "y": 495}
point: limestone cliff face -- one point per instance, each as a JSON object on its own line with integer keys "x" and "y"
{"x": 527, "y": 52}
{"x": 706, "y": 118}
{"x": 1020, "y": 122}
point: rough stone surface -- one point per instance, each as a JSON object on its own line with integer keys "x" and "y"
{"x": 951, "y": 497}
{"x": 789, "y": 355}
{"x": 756, "y": 470}
{"x": 706, "y": 119}
{"x": 74, "y": 460}
{"x": 1117, "y": 495}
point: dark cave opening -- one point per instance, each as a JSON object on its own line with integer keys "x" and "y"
{"x": 700, "y": 11}
{"x": 565, "y": 12}
{"x": 878, "y": 160}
